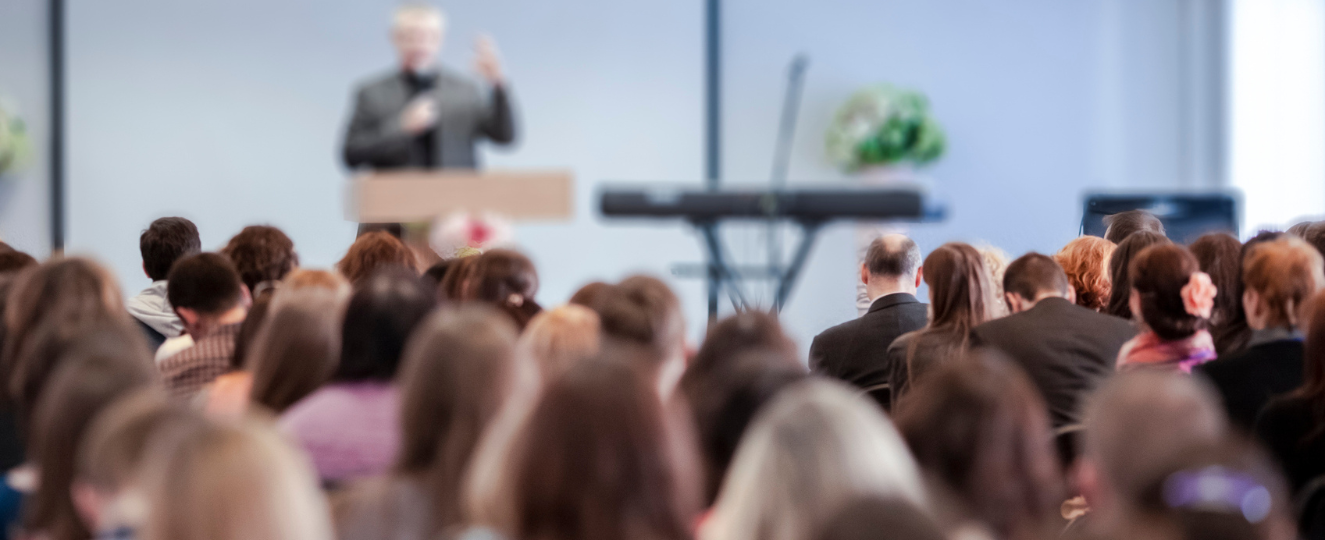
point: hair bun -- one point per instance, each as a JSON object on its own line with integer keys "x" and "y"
{"x": 1198, "y": 295}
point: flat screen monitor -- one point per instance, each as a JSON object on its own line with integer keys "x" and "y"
{"x": 1186, "y": 216}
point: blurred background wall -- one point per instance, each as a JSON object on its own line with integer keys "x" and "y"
{"x": 229, "y": 112}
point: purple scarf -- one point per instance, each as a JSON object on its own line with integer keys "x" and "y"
{"x": 1148, "y": 351}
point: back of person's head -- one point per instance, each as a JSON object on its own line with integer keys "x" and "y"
{"x": 587, "y": 295}
{"x": 813, "y": 448}
{"x": 561, "y": 337}
{"x": 1230, "y": 491}
{"x": 996, "y": 264}
{"x": 112, "y": 449}
{"x": 1165, "y": 279}
{"x": 304, "y": 278}
{"x": 1034, "y": 274}
{"x": 1124, "y": 224}
{"x": 236, "y": 480}
{"x": 1313, "y": 354}
{"x": 873, "y": 517}
{"x": 644, "y": 311}
{"x": 206, "y": 283}
{"x": 373, "y": 251}
{"x": 1085, "y": 260}
{"x": 101, "y": 367}
{"x": 456, "y": 375}
{"x": 1220, "y": 255}
{"x": 980, "y": 427}
{"x": 961, "y": 295}
{"x": 601, "y": 460}
{"x": 1140, "y": 422}
{"x": 744, "y": 332}
{"x": 13, "y": 261}
{"x": 258, "y": 311}
{"x": 48, "y": 307}
{"x": 893, "y": 256}
{"x": 506, "y": 280}
{"x": 1120, "y": 266}
{"x": 1299, "y": 229}
{"x": 1281, "y": 276}
{"x": 452, "y": 286}
{"x": 165, "y": 241}
{"x": 296, "y": 349}
{"x": 1314, "y": 234}
{"x": 384, "y": 309}
{"x": 261, "y": 253}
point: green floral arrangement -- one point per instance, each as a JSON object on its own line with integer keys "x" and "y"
{"x": 15, "y": 149}
{"x": 884, "y": 125}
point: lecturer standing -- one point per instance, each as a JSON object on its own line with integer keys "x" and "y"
{"x": 423, "y": 115}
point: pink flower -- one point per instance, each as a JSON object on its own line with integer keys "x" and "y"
{"x": 1198, "y": 295}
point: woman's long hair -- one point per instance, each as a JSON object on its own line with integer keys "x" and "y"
{"x": 962, "y": 297}
{"x": 1119, "y": 266}
{"x": 296, "y": 349}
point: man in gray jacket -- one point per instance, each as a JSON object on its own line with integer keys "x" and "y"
{"x": 423, "y": 115}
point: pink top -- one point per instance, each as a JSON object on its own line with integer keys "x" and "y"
{"x": 350, "y": 430}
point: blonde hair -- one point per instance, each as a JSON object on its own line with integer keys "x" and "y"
{"x": 558, "y": 338}
{"x": 231, "y": 481}
{"x": 996, "y": 264}
{"x": 1086, "y": 262}
{"x": 1284, "y": 273}
{"x": 814, "y": 447}
{"x": 302, "y": 278}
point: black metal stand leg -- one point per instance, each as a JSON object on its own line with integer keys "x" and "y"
{"x": 809, "y": 231}
{"x": 718, "y": 265}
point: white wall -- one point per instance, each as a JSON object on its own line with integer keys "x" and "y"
{"x": 230, "y": 112}
{"x": 24, "y": 196}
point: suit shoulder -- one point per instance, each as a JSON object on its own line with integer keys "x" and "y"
{"x": 376, "y": 80}
{"x": 838, "y": 331}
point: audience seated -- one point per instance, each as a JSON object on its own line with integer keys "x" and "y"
{"x": 961, "y": 298}
{"x": 1086, "y": 262}
{"x": 1120, "y": 289}
{"x": 506, "y": 280}
{"x": 1234, "y": 334}
{"x": 455, "y": 377}
{"x": 1314, "y": 234}
{"x": 856, "y": 351}
{"x": 1174, "y": 300}
{"x": 99, "y": 367}
{"x": 588, "y": 294}
{"x": 849, "y": 449}
{"x": 262, "y": 254}
{"x": 1122, "y": 225}
{"x": 453, "y": 283}
{"x": 165, "y": 241}
{"x": 1066, "y": 349}
{"x": 350, "y": 427}
{"x": 560, "y": 338}
{"x": 373, "y": 251}
{"x": 1280, "y": 277}
{"x": 238, "y": 480}
{"x": 643, "y": 326}
{"x": 979, "y": 430}
{"x": 1220, "y": 256}
{"x": 745, "y": 360}
{"x": 879, "y": 518}
{"x": 206, "y": 292}
{"x": 1137, "y": 426}
{"x": 602, "y": 459}
{"x": 1291, "y": 425}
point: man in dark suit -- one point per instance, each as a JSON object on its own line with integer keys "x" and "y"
{"x": 1066, "y": 349}
{"x": 422, "y": 115}
{"x": 856, "y": 351}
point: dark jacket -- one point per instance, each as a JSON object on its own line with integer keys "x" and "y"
{"x": 375, "y": 139}
{"x": 1292, "y": 432}
{"x": 1248, "y": 379}
{"x": 856, "y": 351}
{"x": 916, "y": 354}
{"x": 1066, "y": 349}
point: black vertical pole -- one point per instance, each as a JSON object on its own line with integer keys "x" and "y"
{"x": 712, "y": 122}
{"x": 57, "y": 124}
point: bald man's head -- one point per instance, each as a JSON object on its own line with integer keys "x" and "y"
{"x": 893, "y": 256}
{"x": 1139, "y": 423}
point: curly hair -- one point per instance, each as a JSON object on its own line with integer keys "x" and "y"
{"x": 261, "y": 253}
{"x": 1086, "y": 261}
{"x": 372, "y": 251}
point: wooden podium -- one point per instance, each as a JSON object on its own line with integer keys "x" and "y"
{"x": 423, "y": 195}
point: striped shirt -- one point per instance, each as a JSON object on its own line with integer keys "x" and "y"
{"x": 188, "y": 371}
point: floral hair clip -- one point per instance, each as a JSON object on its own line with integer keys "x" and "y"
{"x": 1198, "y": 295}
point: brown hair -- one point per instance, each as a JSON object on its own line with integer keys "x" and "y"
{"x": 1123, "y": 225}
{"x": 453, "y": 283}
{"x": 230, "y": 481}
{"x": 599, "y": 460}
{"x": 261, "y": 253}
{"x": 296, "y": 350}
{"x": 304, "y": 278}
{"x": 113, "y": 446}
{"x": 1220, "y": 255}
{"x": 1284, "y": 273}
{"x": 1158, "y": 274}
{"x": 589, "y": 293}
{"x": 1313, "y": 361}
{"x": 642, "y": 311}
{"x": 507, "y": 280}
{"x": 1086, "y": 261}
{"x": 456, "y": 375}
{"x": 980, "y": 427}
{"x": 1120, "y": 266}
{"x": 372, "y": 251}
{"x": 960, "y": 287}
{"x": 1032, "y": 274}
{"x": 13, "y": 261}
{"x": 99, "y": 368}
{"x": 47, "y": 308}
{"x": 561, "y": 337}
{"x": 248, "y": 330}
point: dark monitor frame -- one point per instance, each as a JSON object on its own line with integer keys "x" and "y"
{"x": 1186, "y": 215}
